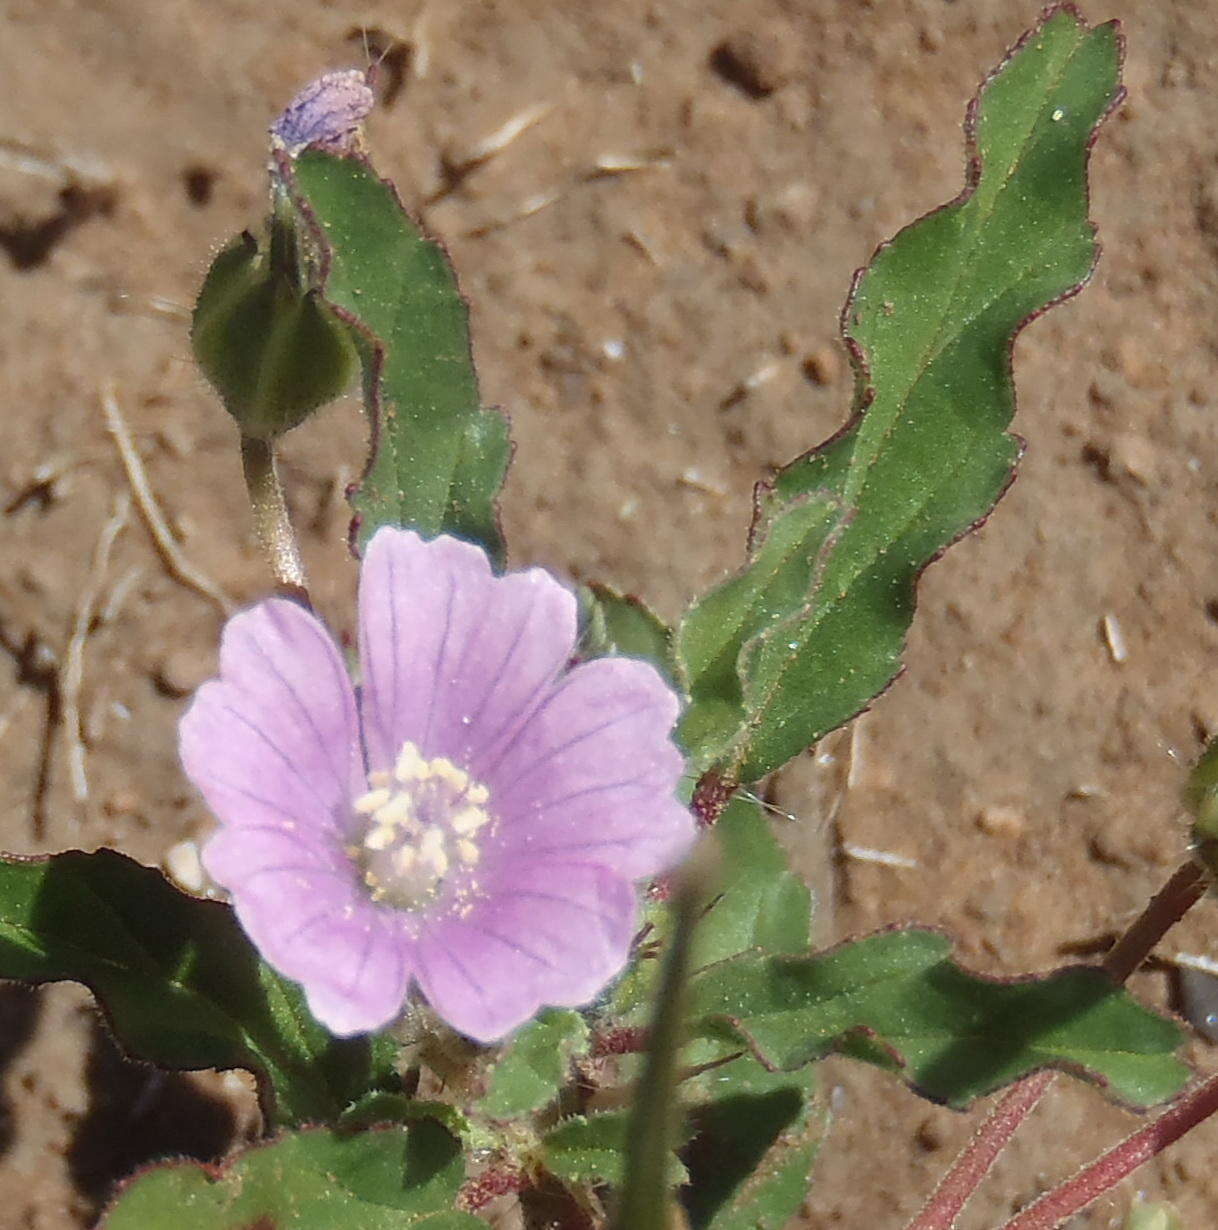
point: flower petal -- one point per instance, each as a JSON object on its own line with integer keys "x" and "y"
{"x": 594, "y": 773}
{"x": 275, "y": 740}
{"x": 454, "y": 658}
{"x": 310, "y": 919}
{"x": 556, "y": 937}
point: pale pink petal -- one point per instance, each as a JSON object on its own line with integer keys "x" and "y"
{"x": 314, "y": 924}
{"x": 274, "y": 741}
{"x": 555, "y": 937}
{"x": 593, "y": 775}
{"x": 454, "y": 658}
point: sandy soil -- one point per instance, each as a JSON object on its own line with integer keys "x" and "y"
{"x": 660, "y": 338}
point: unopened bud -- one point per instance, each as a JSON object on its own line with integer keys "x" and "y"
{"x": 273, "y": 349}
{"x": 327, "y": 114}
{"x": 1201, "y": 794}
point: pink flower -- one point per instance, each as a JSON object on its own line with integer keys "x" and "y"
{"x": 471, "y": 820}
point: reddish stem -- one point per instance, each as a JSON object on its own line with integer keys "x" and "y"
{"x": 1106, "y": 1172}
{"x": 1170, "y": 904}
{"x": 967, "y": 1171}
{"x": 1185, "y": 888}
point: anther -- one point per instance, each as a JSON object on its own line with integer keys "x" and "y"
{"x": 368, "y": 803}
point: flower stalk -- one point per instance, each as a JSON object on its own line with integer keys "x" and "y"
{"x": 272, "y": 524}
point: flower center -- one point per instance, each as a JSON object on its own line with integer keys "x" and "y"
{"x": 422, "y": 824}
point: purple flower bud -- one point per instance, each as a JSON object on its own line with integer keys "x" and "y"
{"x": 327, "y": 113}
{"x": 471, "y": 823}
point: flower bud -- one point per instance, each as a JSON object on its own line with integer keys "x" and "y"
{"x": 272, "y": 349}
{"x": 1201, "y": 795}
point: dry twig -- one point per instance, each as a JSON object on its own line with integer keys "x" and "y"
{"x": 72, "y": 672}
{"x": 167, "y": 547}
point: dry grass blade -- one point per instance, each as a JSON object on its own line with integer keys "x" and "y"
{"x": 150, "y": 510}
{"x": 72, "y": 674}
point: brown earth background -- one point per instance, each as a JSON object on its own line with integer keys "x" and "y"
{"x": 661, "y": 336}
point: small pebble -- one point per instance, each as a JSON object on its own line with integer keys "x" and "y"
{"x": 122, "y": 803}
{"x": 1001, "y": 822}
{"x": 181, "y": 671}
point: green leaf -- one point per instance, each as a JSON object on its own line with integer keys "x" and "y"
{"x": 897, "y": 1000}
{"x": 785, "y": 559}
{"x": 179, "y": 983}
{"x": 760, "y": 904}
{"x": 763, "y": 905}
{"x": 535, "y": 1065}
{"x": 381, "y": 1107}
{"x": 620, "y": 623}
{"x": 930, "y": 323}
{"x": 312, "y": 1180}
{"x": 593, "y": 1150}
{"x": 755, "y": 1135}
{"x": 438, "y": 460}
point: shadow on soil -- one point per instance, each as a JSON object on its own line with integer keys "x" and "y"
{"x": 140, "y": 1114}
{"x": 19, "y": 1010}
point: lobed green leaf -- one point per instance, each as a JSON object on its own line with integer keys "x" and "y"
{"x": 535, "y": 1065}
{"x": 930, "y": 324}
{"x": 178, "y": 981}
{"x": 754, "y": 1137}
{"x": 315, "y": 1179}
{"x": 897, "y": 1000}
{"x": 437, "y": 458}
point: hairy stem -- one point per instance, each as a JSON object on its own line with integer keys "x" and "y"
{"x": 272, "y": 525}
{"x": 1185, "y": 888}
{"x": 967, "y": 1171}
{"x": 1170, "y": 904}
{"x": 1106, "y": 1172}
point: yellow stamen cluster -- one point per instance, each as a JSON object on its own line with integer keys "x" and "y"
{"x": 422, "y": 821}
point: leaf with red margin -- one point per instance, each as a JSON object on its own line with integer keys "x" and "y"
{"x": 437, "y": 459}
{"x": 390, "y": 1178}
{"x": 178, "y": 981}
{"x": 896, "y": 999}
{"x": 930, "y": 326}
